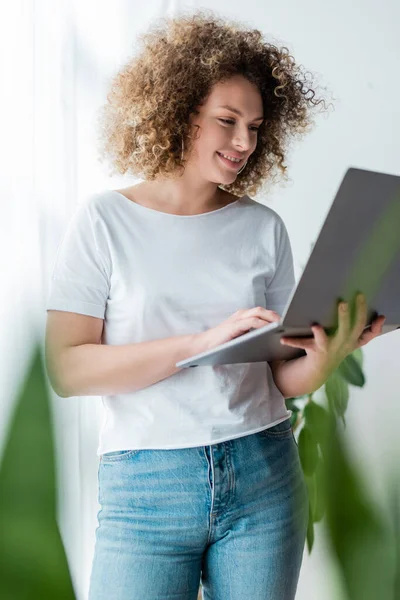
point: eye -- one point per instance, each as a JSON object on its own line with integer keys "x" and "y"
{"x": 230, "y": 122}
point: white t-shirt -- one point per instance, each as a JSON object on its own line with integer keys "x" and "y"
{"x": 152, "y": 275}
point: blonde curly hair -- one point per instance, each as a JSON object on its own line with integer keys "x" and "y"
{"x": 146, "y": 118}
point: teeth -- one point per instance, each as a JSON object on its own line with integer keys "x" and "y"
{"x": 229, "y": 158}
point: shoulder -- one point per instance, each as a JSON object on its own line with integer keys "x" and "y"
{"x": 97, "y": 204}
{"x": 264, "y": 212}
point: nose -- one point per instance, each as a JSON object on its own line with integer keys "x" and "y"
{"x": 243, "y": 140}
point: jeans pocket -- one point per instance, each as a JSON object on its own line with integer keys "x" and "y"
{"x": 117, "y": 455}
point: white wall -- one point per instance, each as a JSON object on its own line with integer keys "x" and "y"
{"x": 58, "y": 58}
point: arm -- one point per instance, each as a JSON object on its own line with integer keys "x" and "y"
{"x": 101, "y": 370}
{"x": 324, "y": 353}
{"x": 297, "y": 377}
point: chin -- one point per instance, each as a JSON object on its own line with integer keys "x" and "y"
{"x": 230, "y": 177}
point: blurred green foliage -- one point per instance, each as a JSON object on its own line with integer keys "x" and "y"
{"x": 32, "y": 559}
{"x": 364, "y": 542}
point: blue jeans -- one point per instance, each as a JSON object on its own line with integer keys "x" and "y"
{"x": 232, "y": 515}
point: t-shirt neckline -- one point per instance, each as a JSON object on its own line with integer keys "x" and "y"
{"x": 160, "y": 212}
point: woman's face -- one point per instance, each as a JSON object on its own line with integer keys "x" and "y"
{"x": 223, "y": 131}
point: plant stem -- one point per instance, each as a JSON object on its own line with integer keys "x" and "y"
{"x": 299, "y": 420}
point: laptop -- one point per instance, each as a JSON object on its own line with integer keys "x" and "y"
{"x": 357, "y": 250}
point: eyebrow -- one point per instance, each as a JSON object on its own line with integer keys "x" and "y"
{"x": 235, "y": 110}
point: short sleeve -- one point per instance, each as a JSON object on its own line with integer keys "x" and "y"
{"x": 80, "y": 280}
{"x": 282, "y": 283}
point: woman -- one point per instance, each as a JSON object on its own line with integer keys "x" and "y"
{"x": 199, "y": 475}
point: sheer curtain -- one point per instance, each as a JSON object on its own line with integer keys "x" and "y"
{"x": 56, "y": 60}
{"x": 57, "y": 57}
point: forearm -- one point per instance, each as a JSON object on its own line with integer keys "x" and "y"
{"x": 298, "y": 377}
{"x": 101, "y": 370}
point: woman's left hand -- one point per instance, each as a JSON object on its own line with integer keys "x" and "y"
{"x": 327, "y": 352}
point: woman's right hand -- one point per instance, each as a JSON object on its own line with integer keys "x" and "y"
{"x": 240, "y": 322}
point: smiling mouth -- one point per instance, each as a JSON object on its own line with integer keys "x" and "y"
{"x": 229, "y": 163}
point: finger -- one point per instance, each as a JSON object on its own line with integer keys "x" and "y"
{"x": 365, "y": 338}
{"x": 377, "y": 324}
{"x": 270, "y": 316}
{"x": 343, "y": 331}
{"x": 252, "y": 322}
{"x": 321, "y": 338}
{"x": 373, "y": 331}
{"x": 264, "y": 313}
{"x": 361, "y": 317}
{"x": 304, "y": 343}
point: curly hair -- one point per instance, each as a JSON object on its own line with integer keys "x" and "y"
{"x": 146, "y": 118}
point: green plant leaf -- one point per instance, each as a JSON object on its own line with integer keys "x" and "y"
{"x": 308, "y": 451}
{"x": 337, "y": 392}
{"x": 291, "y": 404}
{"x": 33, "y": 564}
{"x": 312, "y": 493}
{"x": 293, "y": 418}
{"x": 310, "y": 532}
{"x": 317, "y": 420}
{"x": 394, "y": 499}
{"x": 358, "y": 536}
{"x": 351, "y": 371}
{"x": 359, "y": 356}
{"x": 320, "y": 484}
